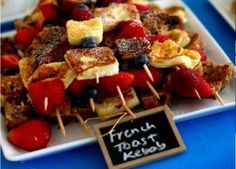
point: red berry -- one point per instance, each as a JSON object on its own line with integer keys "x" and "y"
{"x": 50, "y": 12}
{"x": 140, "y": 77}
{"x": 122, "y": 79}
{"x": 77, "y": 86}
{"x": 159, "y": 38}
{"x": 25, "y": 36}
{"x": 185, "y": 81}
{"x": 39, "y": 23}
{"x": 30, "y": 135}
{"x": 9, "y": 61}
{"x": 142, "y": 7}
{"x": 52, "y": 89}
{"x": 130, "y": 29}
{"x": 80, "y": 14}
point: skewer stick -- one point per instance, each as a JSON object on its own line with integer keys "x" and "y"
{"x": 148, "y": 72}
{"x": 45, "y": 103}
{"x": 124, "y": 103}
{"x": 177, "y": 68}
{"x": 97, "y": 78}
{"x": 82, "y": 122}
{"x": 91, "y": 102}
{"x": 217, "y": 96}
{"x": 62, "y": 127}
{"x": 152, "y": 89}
{"x": 197, "y": 94}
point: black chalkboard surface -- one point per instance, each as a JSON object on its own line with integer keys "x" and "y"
{"x": 150, "y": 136}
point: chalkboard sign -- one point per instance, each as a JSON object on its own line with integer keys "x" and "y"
{"x": 151, "y": 135}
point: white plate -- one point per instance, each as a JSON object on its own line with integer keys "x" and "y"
{"x": 224, "y": 8}
{"x": 184, "y": 108}
{"x": 16, "y": 9}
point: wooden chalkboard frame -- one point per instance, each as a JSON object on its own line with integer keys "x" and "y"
{"x": 149, "y": 158}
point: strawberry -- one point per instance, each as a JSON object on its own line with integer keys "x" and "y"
{"x": 185, "y": 81}
{"x": 39, "y": 23}
{"x": 25, "y": 36}
{"x": 140, "y": 77}
{"x": 122, "y": 79}
{"x": 9, "y": 61}
{"x": 30, "y": 135}
{"x": 130, "y": 29}
{"x": 49, "y": 12}
{"x": 77, "y": 86}
{"x": 142, "y": 7}
{"x": 107, "y": 2}
{"x": 80, "y": 14}
{"x": 52, "y": 89}
{"x": 159, "y": 38}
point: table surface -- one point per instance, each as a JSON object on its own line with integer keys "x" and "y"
{"x": 209, "y": 140}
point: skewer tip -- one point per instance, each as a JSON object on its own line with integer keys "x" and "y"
{"x": 92, "y": 105}
{"x": 197, "y": 94}
{"x": 217, "y": 96}
{"x": 62, "y": 127}
{"x": 148, "y": 72}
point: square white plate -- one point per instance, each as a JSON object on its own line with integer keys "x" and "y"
{"x": 224, "y": 8}
{"x": 184, "y": 108}
{"x": 16, "y": 9}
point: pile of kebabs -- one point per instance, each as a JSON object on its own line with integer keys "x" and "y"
{"x": 74, "y": 60}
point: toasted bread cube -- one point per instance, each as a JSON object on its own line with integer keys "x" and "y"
{"x": 115, "y": 13}
{"x": 113, "y": 105}
{"x": 78, "y": 30}
{"x": 88, "y": 63}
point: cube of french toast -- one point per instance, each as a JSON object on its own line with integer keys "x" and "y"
{"x": 78, "y": 30}
{"x": 132, "y": 47}
{"x": 113, "y": 105}
{"x": 88, "y": 63}
{"x": 115, "y": 13}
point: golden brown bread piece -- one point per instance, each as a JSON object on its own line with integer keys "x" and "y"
{"x": 88, "y": 62}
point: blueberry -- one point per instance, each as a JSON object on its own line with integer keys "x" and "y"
{"x": 9, "y": 72}
{"x": 82, "y": 6}
{"x": 90, "y": 92}
{"x": 141, "y": 60}
{"x": 89, "y": 42}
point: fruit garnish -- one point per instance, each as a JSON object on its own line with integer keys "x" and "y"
{"x": 140, "y": 77}
{"x": 47, "y": 95}
{"x": 89, "y": 42}
{"x": 80, "y": 14}
{"x": 49, "y": 12}
{"x": 159, "y": 38}
{"x": 25, "y": 36}
{"x": 77, "y": 86}
{"x": 122, "y": 79}
{"x": 141, "y": 60}
{"x": 130, "y": 29}
{"x": 142, "y": 7}
{"x": 30, "y": 135}
{"x": 185, "y": 82}
{"x": 9, "y": 61}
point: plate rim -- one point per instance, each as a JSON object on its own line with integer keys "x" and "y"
{"x": 89, "y": 140}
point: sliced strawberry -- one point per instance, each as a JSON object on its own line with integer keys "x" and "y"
{"x": 9, "y": 61}
{"x": 50, "y": 12}
{"x": 107, "y": 2}
{"x": 80, "y": 14}
{"x": 52, "y": 89}
{"x": 77, "y": 86}
{"x": 185, "y": 81}
{"x": 130, "y": 29}
{"x": 122, "y": 79}
{"x": 140, "y": 77}
{"x": 39, "y": 23}
{"x": 25, "y": 36}
{"x": 30, "y": 135}
{"x": 142, "y": 7}
{"x": 159, "y": 38}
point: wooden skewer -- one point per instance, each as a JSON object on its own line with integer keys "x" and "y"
{"x": 82, "y": 122}
{"x": 92, "y": 105}
{"x": 62, "y": 127}
{"x": 219, "y": 98}
{"x": 197, "y": 94}
{"x": 45, "y": 103}
{"x": 177, "y": 68}
{"x": 148, "y": 72}
{"x": 97, "y": 78}
{"x": 123, "y": 102}
{"x": 153, "y": 89}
